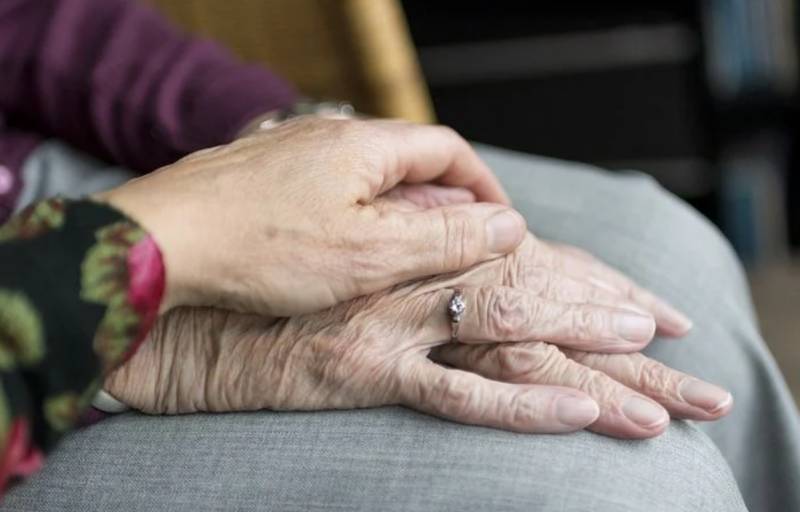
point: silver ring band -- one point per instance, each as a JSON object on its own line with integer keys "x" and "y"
{"x": 455, "y": 310}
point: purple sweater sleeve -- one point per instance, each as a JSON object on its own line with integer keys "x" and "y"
{"x": 115, "y": 79}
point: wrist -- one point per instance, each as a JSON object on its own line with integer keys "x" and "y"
{"x": 136, "y": 384}
{"x": 170, "y": 371}
{"x": 174, "y": 290}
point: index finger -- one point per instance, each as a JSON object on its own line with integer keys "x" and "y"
{"x": 430, "y": 153}
{"x": 503, "y": 314}
{"x": 577, "y": 263}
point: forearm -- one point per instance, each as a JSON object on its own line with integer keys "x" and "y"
{"x": 113, "y": 78}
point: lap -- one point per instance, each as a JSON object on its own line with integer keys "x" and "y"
{"x": 395, "y": 459}
{"x": 629, "y": 221}
{"x": 380, "y": 459}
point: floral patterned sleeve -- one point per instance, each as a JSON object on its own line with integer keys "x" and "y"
{"x": 80, "y": 286}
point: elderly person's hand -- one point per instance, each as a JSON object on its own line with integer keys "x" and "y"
{"x": 634, "y": 393}
{"x": 373, "y": 351}
{"x": 368, "y": 352}
{"x": 566, "y": 274}
{"x": 283, "y": 223}
{"x": 558, "y": 271}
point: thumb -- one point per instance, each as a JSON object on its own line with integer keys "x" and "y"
{"x": 451, "y": 238}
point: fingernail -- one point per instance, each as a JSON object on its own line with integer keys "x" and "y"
{"x": 504, "y": 231}
{"x": 681, "y": 321}
{"x": 704, "y": 395}
{"x": 644, "y": 413}
{"x": 634, "y": 327}
{"x": 576, "y": 411}
{"x": 676, "y": 320}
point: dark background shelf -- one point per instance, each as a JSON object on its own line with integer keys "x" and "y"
{"x": 621, "y": 84}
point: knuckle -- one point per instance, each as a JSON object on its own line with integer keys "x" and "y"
{"x": 476, "y": 357}
{"x": 524, "y": 411}
{"x": 504, "y": 314}
{"x": 454, "y": 396}
{"x": 652, "y": 378}
{"x": 459, "y": 249}
{"x": 528, "y": 361}
{"x": 595, "y": 384}
{"x": 515, "y": 271}
{"x": 587, "y": 323}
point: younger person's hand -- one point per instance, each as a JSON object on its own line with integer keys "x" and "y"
{"x": 283, "y": 222}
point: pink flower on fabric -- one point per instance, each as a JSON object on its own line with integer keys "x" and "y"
{"x": 146, "y": 282}
{"x": 21, "y": 458}
{"x": 146, "y": 276}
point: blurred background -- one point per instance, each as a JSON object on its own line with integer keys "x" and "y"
{"x": 703, "y": 95}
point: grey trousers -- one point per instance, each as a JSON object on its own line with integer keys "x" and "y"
{"x": 396, "y": 459}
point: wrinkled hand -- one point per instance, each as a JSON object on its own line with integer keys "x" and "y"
{"x": 373, "y": 351}
{"x": 636, "y": 395}
{"x": 282, "y": 222}
{"x": 555, "y": 271}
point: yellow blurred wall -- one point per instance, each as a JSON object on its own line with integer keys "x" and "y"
{"x": 354, "y": 50}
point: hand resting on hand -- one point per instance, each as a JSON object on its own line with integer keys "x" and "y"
{"x": 548, "y": 344}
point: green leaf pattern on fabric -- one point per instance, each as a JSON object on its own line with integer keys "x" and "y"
{"x": 61, "y": 411}
{"x": 21, "y": 331}
{"x": 64, "y": 273}
{"x": 35, "y": 220}
{"x": 104, "y": 280}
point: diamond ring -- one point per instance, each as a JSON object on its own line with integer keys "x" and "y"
{"x": 455, "y": 310}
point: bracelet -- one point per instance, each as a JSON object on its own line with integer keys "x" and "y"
{"x": 330, "y": 109}
{"x": 103, "y": 401}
